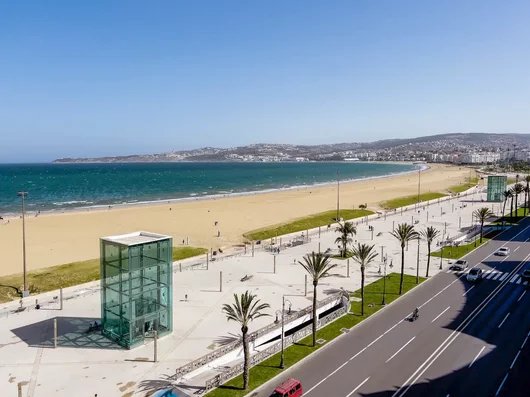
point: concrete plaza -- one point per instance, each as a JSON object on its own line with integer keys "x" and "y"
{"x": 84, "y": 363}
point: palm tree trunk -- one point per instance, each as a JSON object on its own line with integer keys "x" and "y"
{"x": 481, "y": 228}
{"x": 315, "y": 318}
{"x": 402, "y": 269}
{"x": 511, "y": 210}
{"x": 362, "y": 290}
{"x": 516, "y": 217}
{"x": 428, "y": 258}
{"x": 246, "y": 359}
{"x": 504, "y": 207}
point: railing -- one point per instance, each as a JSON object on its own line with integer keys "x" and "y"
{"x": 209, "y": 357}
{"x": 235, "y": 370}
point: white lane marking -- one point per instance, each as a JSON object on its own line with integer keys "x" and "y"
{"x": 404, "y": 388}
{"x": 487, "y": 272}
{"x": 501, "y": 385}
{"x": 401, "y": 348}
{"x": 439, "y": 315}
{"x": 477, "y": 356}
{"x": 354, "y": 356}
{"x": 518, "y": 280}
{"x": 496, "y": 276}
{"x": 516, "y": 248}
{"x": 515, "y": 359}
{"x": 375, "y": 340}
{"x": 515, "y": 276}
{"x": 502, "y": 322}
{"x": 358, "y": 387}
{"x": 524, "y": 292}
{"x": 503, "y": 277}
{"x": 465, "y": 293}
{"x": 490, "y": 275}
{"x": 524, "y": 342}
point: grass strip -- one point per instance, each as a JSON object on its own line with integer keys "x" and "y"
{"x": 464, "y": 186}
{"x": 67, "y": 275}
{"x": 451, "y": 252}
{"x": 268, "y": 369}
{"x": 305, "y": 223}
{"x": 409, "y": 200}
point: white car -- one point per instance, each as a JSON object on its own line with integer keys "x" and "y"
{"x": 460, "y": 264}
{"x": 474, "y": 274}
{"x": 503, "y": 251}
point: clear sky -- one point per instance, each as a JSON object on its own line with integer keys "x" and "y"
{"x": 93, "y": 78}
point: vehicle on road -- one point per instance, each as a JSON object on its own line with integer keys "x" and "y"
{"x": 290, "y": 388}
{"x": 503, "y": 251}
{"x": 474, "y": 274}
{"x": 460, "y": 264}
{"x": 525, "y": 275}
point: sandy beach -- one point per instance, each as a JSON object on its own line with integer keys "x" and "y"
{"x": 57, "y": 238}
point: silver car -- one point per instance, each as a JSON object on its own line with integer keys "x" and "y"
{"x": 503, "y": 251}
{"x": 474, "y": 274}
{"x": 460, "y": 264}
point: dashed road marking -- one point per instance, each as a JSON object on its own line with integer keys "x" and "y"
{"x": 502, "y": 322}
{"x": 477, "y": 356}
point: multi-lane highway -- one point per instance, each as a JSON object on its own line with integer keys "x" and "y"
{"x": 471, "y": 339}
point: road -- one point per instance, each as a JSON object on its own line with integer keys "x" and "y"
{"x": 470, "y": 339}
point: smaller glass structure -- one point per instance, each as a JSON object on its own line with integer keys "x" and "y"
{"x": 496, "y": 187}
{"x": 136, "y": 286}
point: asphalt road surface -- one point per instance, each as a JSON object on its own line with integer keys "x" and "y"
{"x": 471, "y": 339}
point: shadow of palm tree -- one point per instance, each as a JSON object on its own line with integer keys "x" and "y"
{"x": 227, "y": 339}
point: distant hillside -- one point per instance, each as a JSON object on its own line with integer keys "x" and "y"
{"x": 389, "y": 149}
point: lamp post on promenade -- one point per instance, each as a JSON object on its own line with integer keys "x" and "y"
{"x": 384, "y": 280}
{"x": 25, "y": 291}
{"x": 419, "y": 180}
{"x": 338, "y": 195}
{"x": 282, "y": 365}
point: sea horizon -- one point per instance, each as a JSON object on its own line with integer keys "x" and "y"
{"x": 67, "y": 187}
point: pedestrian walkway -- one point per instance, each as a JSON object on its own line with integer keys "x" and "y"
{"x": 87, "y": 363}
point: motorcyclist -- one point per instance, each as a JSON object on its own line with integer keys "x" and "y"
{"x": 415, "y": 313}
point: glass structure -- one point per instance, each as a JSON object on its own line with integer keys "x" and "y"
{"x": 496, "y": 187}
{"x": 136, "y": 287}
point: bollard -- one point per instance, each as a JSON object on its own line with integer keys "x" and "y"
{"x": 253, "y": 249}
{"x": 305, "y": 284}
{"x": 319, "y": 232}
{"x": 55, "y": 333}
{"x": 206, "y": 261}
{"x": 155, "y": 350}
{"x": 319, "y": 247}
{"x": 180, "y": 267}
{"x": 274, "y": 264}
{"x": 61, "y": 298}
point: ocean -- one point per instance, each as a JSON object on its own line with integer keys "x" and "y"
{"x": 59, "y": 187}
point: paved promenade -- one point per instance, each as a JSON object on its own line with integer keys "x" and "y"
{"x": 84, "y": 364}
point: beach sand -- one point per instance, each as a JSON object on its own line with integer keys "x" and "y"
{"x": 58, "y": 238}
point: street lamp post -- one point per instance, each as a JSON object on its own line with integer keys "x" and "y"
{"x": 25, "y": 291}
{"x": 384, "y": 280}
{"x": 338, "y": 195}
{"x": 419, "y": 180}
{"x": 282, "y": 365}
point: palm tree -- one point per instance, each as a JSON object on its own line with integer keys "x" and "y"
{"x": 245, "y": 309}
{"x": 512, "y": 194}
{"x": 507, "y": 194}
{"x": 363, "y": 254}
{"x": 404, "y": 233}
{"x": 518, "y": 188}
{"x": 429, "y": 234}
{"x": 318, "y": 266}
{"x": 482, "y": 214}
{"x": 346, "y": 230}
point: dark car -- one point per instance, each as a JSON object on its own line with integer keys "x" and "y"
{"x": 525, "y": 275}
{"x": 474, "y": 274}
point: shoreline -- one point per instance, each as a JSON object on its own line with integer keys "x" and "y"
{"x": 55, "y": 238}
{"x": 135, "y": 204}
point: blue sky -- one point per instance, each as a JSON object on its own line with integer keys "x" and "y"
{"x": 98, "y": 78}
